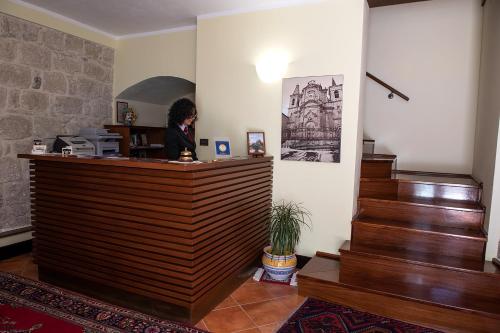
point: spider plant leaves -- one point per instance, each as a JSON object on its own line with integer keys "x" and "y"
{"x": 287, "y": 218}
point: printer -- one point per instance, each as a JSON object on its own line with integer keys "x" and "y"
{"x": 105, "y": 143}
{"x": 78, "y": 145}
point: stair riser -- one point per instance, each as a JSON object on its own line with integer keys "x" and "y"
{"x": 394, "y": 276}
{"x": 408, "y": 189}
{"x": 378, "y": 169}
{"x": 410, "y": 239}
{"x": 425, "y": 314}
{"x": 378, "y": 189}
{"x": 421, "y": 214}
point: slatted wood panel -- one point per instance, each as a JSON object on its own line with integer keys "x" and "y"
{"x": 168, "y": 233}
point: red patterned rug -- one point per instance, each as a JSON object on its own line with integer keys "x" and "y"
{"x": 320, "y": 316}
{"x": 32, "y": 306}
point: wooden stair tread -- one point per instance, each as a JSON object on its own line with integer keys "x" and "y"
{"x": 428, "y": 202}
{"x": 435, "y": 178}
{"x": 378, "y": 158}
{"x": 423, "y": 227}
{"x": 421, "y": 258}
{"x": 327, "y": 271}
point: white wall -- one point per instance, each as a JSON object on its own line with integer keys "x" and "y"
{"x": 430, "y": 51}
{"x": 169, "y": 54}
{"x": 487, "y": 149}
{"x": 322, "y": 38}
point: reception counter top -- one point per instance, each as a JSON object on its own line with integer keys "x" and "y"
{"x": 148, "y": 163}
{"x": 162, "y": 237}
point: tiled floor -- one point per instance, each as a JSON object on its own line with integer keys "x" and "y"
{"x": 252, "y": 308}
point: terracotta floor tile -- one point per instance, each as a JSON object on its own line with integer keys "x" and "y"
{"x": 267, "y": 312}
{"x": 293, "y": 302}
{"x": 251, "y": 280}
{"x": 31, "y": 272}
{"x": 201, "y": 325}
{"x": 271, "y": 328}
{"x": 228, "y": 302}
{"x": 228, "y": 320}
{"x": 12, "y": 266}
{"x": 278, "y": 290}
{"x": 251, "y": 293}
{"x": 252, "y": 330}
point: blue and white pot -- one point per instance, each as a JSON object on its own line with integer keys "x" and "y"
{"x": 278, "y": 267}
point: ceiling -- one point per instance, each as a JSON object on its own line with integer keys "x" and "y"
{"x": 126, "y": 17}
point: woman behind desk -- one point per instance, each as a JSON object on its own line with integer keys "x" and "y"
{"x": 179, "y": 134}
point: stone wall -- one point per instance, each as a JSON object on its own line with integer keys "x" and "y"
{"x": 50, "y": 83}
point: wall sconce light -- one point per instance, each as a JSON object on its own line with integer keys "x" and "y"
{"x": 271, "y": 66}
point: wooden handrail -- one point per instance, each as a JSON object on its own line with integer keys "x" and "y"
{"x": 382, "y": 83}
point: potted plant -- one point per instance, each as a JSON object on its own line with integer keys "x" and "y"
{"x": 279, "y": 258}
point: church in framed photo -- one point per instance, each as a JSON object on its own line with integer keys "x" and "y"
{"x": 312, "y": 118}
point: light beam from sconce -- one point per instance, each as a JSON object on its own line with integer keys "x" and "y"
{"x": 272, "y": 65}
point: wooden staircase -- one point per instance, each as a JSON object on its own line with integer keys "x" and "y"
{"x": 416, "y": 252}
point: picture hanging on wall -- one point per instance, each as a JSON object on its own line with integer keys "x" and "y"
{"x": 311, "y": 118}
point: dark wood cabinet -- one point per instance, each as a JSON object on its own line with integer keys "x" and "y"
{"x": 140, "y": 141}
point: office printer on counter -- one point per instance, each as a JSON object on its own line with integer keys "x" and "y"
{"x": 78, "y": 145}
{"x": 105, "y": 143}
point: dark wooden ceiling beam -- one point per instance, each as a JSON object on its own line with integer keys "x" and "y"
{"x": 380, "y": 3}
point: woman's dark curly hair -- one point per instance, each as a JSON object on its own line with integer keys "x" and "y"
{"x": 180, "y": 111}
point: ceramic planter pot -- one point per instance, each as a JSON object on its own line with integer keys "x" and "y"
{"x": 278, "y": 267}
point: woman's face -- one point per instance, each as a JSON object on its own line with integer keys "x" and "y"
{"x": 189, "y": 120}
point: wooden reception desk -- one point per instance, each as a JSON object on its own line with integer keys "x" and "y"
{"x": 164, "y": 238}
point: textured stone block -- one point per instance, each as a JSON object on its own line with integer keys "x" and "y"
{"x": 68, "y": 105}
{"x": 101, "y": 110}
{"x": 35, "y": 55}
{"x": 96, "y": 71}
{"x": 92, "y": 50}
{"x": 108, "y": 55}
{"x": 88, "y": 88}
{"x": 3, "y": 97}
{"x": 30, "y": 31}
{"x": 16, "y": 192}
{"x": 73, "y": 44}
{"x": 53, "y": 39}
{"x": 14, "y": 99}
{"x": 10, "y": 169}
{"x": 10, "y": 27}
{"x": 8, "y": 49}
{"x": 15, "y": 127}
{"x": 15, "y": 75}
{"x": 34, "y": 101}
{"x": 67, "y": 64}
{"x": 107, "y": 92}
{"x": 22, "y": 147}
{"x": 54, "y": 82}
{"x": 46, "y": 127}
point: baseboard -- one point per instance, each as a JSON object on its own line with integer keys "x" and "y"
{"x": 16, "y": 249}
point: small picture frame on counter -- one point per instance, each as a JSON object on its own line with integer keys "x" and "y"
{"x": 256, "y": 143}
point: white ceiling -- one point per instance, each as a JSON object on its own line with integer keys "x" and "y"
{"x": 127, "y": 17}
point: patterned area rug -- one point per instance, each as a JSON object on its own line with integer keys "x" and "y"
{"x": 320, "y": 316}
{"x": 32, "y": 306}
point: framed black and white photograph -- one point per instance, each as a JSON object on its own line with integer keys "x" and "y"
{"x": 121, "y": 107}
{"x": 256, "y": 143}
{"x": 311, "y": 118}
